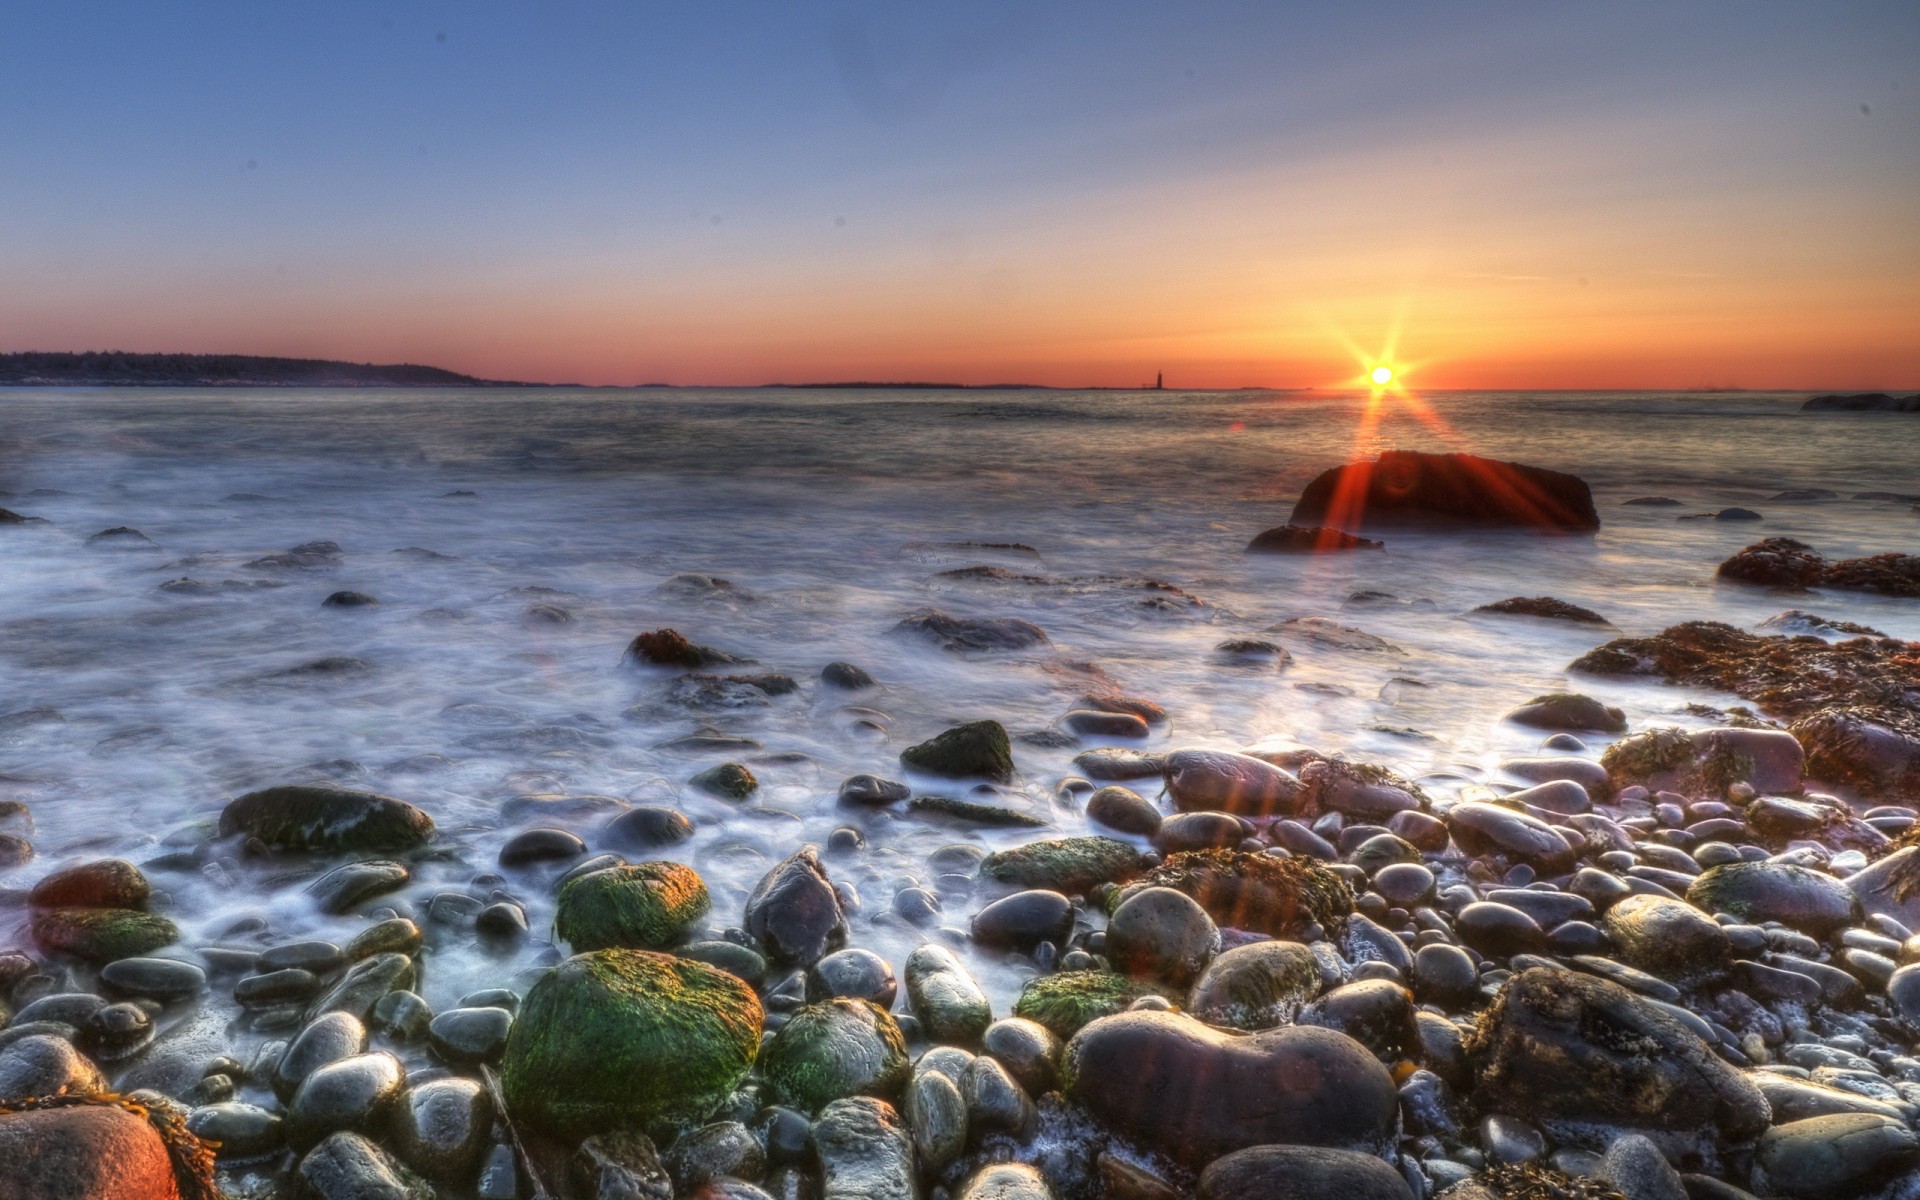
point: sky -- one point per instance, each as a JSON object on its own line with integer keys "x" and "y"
{"x": 1487, "y": 195}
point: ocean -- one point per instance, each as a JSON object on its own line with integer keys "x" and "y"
{"x": 516, "y": 540}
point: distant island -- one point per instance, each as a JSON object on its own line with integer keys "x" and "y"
{"x": 117, "y": 368}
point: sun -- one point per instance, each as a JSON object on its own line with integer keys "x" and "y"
{"x": 1381, "y": 375}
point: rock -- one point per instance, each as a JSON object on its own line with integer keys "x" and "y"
{"x": 440, "y": 1128}
{"x": 669, "y": 648}
{"x": 1024, "y": 920}
{"x": 1163, "y": 934}
{"x": 1359, "y": 790}
{"x": 1028, "y": 1050}
{"x": 864, "y": 1152}
{"x": 971, "y": 635}
{"x": 1066, "y": 1001}
{"x": 621, "y": 1037}
{"x": 1784, "y": 562}
{"x": 162, "y": 979}
{"x": 84, "y": 1152}
{"x": 103, "y": 883}
{"x": 1445, "y": 975}
{"x": 742, "y": 962}
{"x": 1870, "y": 750}
{"x": 241, "y": 1130}
{"x": 835, "y": 1049}
{"x": 639, "y": 906}
{"x": 722, "y": 1152}
{"x": 340, "y": 889}
{"x": 1068, "y": 865}
{"x": 936, "y": 1116}
{"x": 334, "y": 1037}
{"x": 300, "y": 817}
{"x": 1833, "y": 1158}
{"x": 1124, "y": 810}
{"x": 1094, "y": 723}
{"x": 992, "y": 815}
{"x": 1758, "y": 892}
{"x": 646, "y": 828}
{"x": 470, "y": 1035}
{"x": 1582, "y": 1057}
{"x": 1484, "y": 829}
{"x": 794, "y": 912}
{"x": 728, "y": 781}
{"x": 859, "y": 974}
{"x": 1281, "y": 897}
{"x": 871, "y": 791}
{"x": 1222, "y": 781}
{"x": 540, "y": 846}
{"x": 619, "y": 1165}
{"x": 1862, "y": 402}
{"x": 1668, "y": 938}
{"x": 100, "y": 935}
{"x": 1407, "y": 885}
{"x": 352, "y": 1095}
{"x": 846, "y": 676}
{"x": 1005, "y": 1181}
{"x": 976, "y": 750}
{"x": 1546, "y": 608}
{"x": 944, "y": 998}
{"x": 41, "y": 1065}
{"x": 363, "y": 985}
{"x": 1410, "y": 486}
{"x": 1890, "y": 887}
{"x": 1180, "y": 1087}
{"x": 1569, "y": 710}
{"x": 1635, "y": 1166}
{"x": 1118, "y": 763}
{"x": 1301, "y": 1173}
{"x": 1308, "y": 539}
{"x": 347, "y": 1166}
{"x": 1201, "y": 831}
{"x": 14, "y": 850}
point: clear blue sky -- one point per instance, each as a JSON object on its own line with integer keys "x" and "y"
{"x": 1536, "y": 192}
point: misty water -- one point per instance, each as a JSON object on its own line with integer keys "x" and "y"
{"x": 517, "y": 540}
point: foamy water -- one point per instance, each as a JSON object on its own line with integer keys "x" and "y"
{"x": 133, "y": 713}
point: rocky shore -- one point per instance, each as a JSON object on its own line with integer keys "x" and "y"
{"x": 1653, "y": 964}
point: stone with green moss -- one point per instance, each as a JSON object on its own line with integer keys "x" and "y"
{"x": 101, "y": 935}
{"x": 1655, "y": 755}
{"x": 1065, "y": 1001}
{"x": 298, "y": 817}
{"x": 639, "y": 906}
{"x": 976, "y": 750}
{"x": 834, "y": 1049}
{"x": 944, "y": 998}
{"x": 1067, "y": 865}
{"x": 617, "y": 1039}
{"x": 729, "y": 781}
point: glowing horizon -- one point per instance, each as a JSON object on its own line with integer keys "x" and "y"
{"x": 1504, "y": 196}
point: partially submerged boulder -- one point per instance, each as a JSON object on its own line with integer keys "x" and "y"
{"x": 1785, "y": 562}
{"x": 978, "y": 749}
{"x": 640, "y": 906}
{"x": 971, "y": 635}
{"x": 329, "y": 819}
{"x": 1068, "y": 865}
{"x": 1308, "y": 539}
{"x": 1411, "y": 485}
{"x": 1545, "y": 608}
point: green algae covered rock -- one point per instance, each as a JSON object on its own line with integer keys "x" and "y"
{"x": 1066, "y": 865}
{"x": 729, "y": 781}
{"x": 838, "y": 1048}
{"x": 639, "y": 906}
{"x": 1067, "y": 1000}
{"x": 298, "y": 817}
{"x": 101, "y": 935}
{"x": 616, "y": 1039}
{"x": 964, "y": 752}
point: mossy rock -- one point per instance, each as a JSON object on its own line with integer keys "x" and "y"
{"x": 617, "y": 1039}
{"x": 834, "y": 1049}
{"x": 101, "y": 935}
{"x": 298, "y": 817}
{"x": 638, "y": 906}
{"x": 1654, "y": 754}
{"x": 729, "y": 781}
{"x": 976, "y": 750}
{"x": 1067, "y": 1000}
{"x": 1067, "y": 865}
{"x": 1280, "y": 897}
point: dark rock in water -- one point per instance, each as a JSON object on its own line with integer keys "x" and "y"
{"x": 1201, "y": 831}
{"x": 85, "y": 1152}
{"x": 978, "y": 749}
{"x": 971, "y": 635}
{"x": 1308, "y": 539}
{"x": 348, "y": 600}
{"x": 364, "y": 984}
{"x": 1180, "y": 1087}
{"x": 1089, "y": 722}
{"x": 117, "y": 1032}
{"x": 1251, "y": 651}
{"x": 1737, "y": 514}
{"x": 1828, "y": 1158}
{"x": 100, "y": 935}
{"x": 794, "y": 913}
{"x": 1862, "y": 402}
{"x": 1301, "y": 1173}
{"x": 1069, "y": 865}
{"x": 872, "y": 791}
{"x": 307, "y": 556}
{"x": 1134, "y": 706}
{"x": 1409, "y": 485}
{"x": 1802, "y": 495}
{"x": 644, "y": 906}
{"x": 618, "y": 1038}
{"x": 1652, "y": 502}
{"x": 1024, "y": 920}
{"x": 729, "y": 781}
{"x": 352, "y": 1095}
{"x": 1289, "y": 898}
{"x": 9, "y": 517}
{"x": 944, "y": 998}
{"x": 864, "y": 1152}
{"x": 440, "y": 1128}
{"x": 1707, "y": 760}
{"x": 1569, "y": 710}
{"x": 1499, "y": 930}
{"x": 846, "y": 676}
{"x": 1579, "y": 1056}
{"x": 1546, "y": 608}
{"x": 541, "y": 846}
{"x": 619, "y": 1165}
{"x": 124, "y": 536}
{"x": 1258, "y": 986}
{"x": 14, "y": 850}
{"x": 1030, "y": 1052}
{"x": 1115, "y": 763}
{"x": 669, "y": 648}
{"x": 1482, "y": 828}
{"x": 162, "y": 979}
{"x": 346, "y": 1166}
{"x": 1784, "y": 562}
{"x": 300, "y": 817}
{"x": 331, "y": 1038}
{"x": 1222, "y": 781}
{"x": 340, "y": 889}
{"x": 714, "y": 1161}
{"x": 1795, "y": 896}
{"x": 722, "y": 692}
{"x": 470, "y": 1035}
{"x": 1795, "y": 621}
{"x": 997, "y": 816}
{"x": 1066, "y": 1001}
{"x": 103, "y": 883}
{"x": 648, "y": 827}
{"x": 835, "y": 1049}
{"x": 1161, "y": 933}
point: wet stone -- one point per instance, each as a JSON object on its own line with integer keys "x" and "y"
{"x": 440, "y": 1128}
{"x": 541, "y": 846}
{"x": 465, "y": 1036}
{"x": 351, "y": 1095}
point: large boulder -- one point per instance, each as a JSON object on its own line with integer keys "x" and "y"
{"x": 864, "y": 1152}
{"x": 1580, "y": 1056}
{"x": 640, "y": 906}
{"x": 1410, "y": 486}
{"x": 1834, "y": 1157}
{"x": 617, "y": 1038}
{"x": 84, "y": 1152}
{"x": 1193, "y": 1092}
{"x": 103, "y": 883}
{"x": 794, "y": 913}
{"x": 1788, "y": 563}
{"x": 300, "y": 817}
{"x": 1869, "y": 749}
{"x": 1795, "y": 896}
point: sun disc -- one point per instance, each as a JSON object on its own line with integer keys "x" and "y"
{"x": 1382, "y": 376}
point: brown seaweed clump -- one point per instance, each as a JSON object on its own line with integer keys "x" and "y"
{"x": 1530, "y": 1181}
{"x": 1784, "y": 562}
